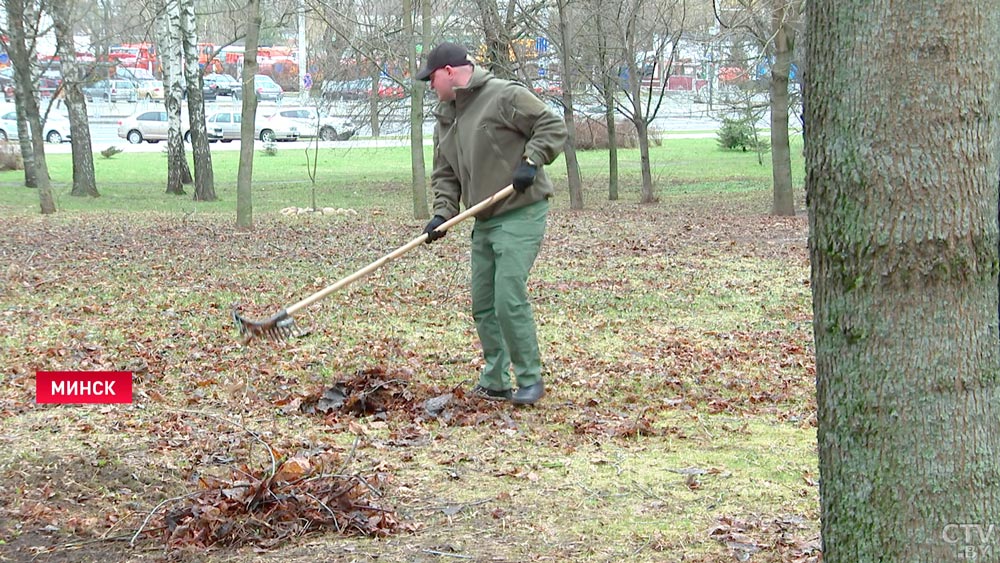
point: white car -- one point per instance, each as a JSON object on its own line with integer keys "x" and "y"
{"x": 224, "y": 125}
{"x": 274, "y": 127}
{"x": 54, "y": 130}
{"x": 312, "y": 123}
{"x": 151, "y": 126}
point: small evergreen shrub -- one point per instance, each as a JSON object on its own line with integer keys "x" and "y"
{"x": 738, "y": 134}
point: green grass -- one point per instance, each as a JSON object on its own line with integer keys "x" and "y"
{"x": 361, "y": 176}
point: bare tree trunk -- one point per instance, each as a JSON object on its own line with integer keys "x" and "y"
{"x": 781, "y": 159}
{"x": 24, "y": 136}
{"x": 373, "y": 100}
{"x": 169, "y": 25}
{"x": 418, "y": 178}
{"x": 84, "y": 181}
{"x": 572, "y": 163}
{"x": 244, "y": 175}
{"x": 609, "y": 81}
{"x": 635, "y": 87}
{"x": 20, "y": 56}
{"x": 204, "y": 175}
{"x": 609, "y": 119}
{"x": 22, "y": 89}
{"x": 648, "y": 196}
{"x": 902, "y": 190}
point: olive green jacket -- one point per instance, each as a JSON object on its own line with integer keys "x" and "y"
{"x": 483, "y": 135}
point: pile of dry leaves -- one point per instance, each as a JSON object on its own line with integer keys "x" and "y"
{"x": 263, "y": 508}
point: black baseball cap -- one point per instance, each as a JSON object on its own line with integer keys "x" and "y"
{"x": 445, "y": 54}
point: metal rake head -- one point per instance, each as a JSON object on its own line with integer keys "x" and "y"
{"x": 278, "y": 327}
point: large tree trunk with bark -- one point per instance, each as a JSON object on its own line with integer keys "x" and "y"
{"x": 902, "y": 174}
{"x": 169, "y": 25}
{"x": 244, "y": 175}
{"x": 21, "y": 57}
{"x": 418, "y": 174}
{"x": 781, "y": 156}
{"x": 572, "y": 163}
{"x": 204, "y": 174}
{"x": 84, "y": 181}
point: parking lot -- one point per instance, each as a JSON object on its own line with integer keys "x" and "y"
{"x": 104, "y": 118}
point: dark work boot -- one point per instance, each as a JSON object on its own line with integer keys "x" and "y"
{"x": 529, "y": 395}
{"x": 491, "y": 394}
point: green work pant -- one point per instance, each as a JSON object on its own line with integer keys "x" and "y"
{"x": 503, "y": 250}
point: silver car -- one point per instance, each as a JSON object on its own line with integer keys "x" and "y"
{"x": 151, "y": 126}
{"x": 55, "y": 129}
{"x": 114, "y": 90}
{"x": 224, "y": 125}
{"x": 267, "y": 88}
{"x": 312, "y": 123}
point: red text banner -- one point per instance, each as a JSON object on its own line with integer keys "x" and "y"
{"x": 83, "y": 387}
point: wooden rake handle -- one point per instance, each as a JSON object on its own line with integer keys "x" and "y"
{"x": 470, "y": 212}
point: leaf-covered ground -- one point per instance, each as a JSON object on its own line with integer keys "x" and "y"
{"x": 678, "y": 423}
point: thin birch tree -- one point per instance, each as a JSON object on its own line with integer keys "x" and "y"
{"x": 204, "y": 175}
{"x": 169, "y": 44}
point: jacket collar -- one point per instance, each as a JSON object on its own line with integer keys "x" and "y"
{"x": 445, "y": 111}
{"x": 479, "y": 77}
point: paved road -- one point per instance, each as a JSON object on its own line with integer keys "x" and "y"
{"x": 679, "y": 122}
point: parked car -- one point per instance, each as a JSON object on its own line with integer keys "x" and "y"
{"x": 267, "y": 88}
{"x": 224, "y": 126}
{"x": 55, "y": 129}
{"x": 224, "y": 85}
{"x": 346, "y": 89}
{"x": 274, "y": 127}
{"x": 133, "y": 74}
{"x": 151, "y": 126}
{"x": 112, "y": 90}
{"x": 388, "y": 88}
{"x": 149, "y": 89}
{"x": 312, "y": 123}
{"x": 208, "y": 93}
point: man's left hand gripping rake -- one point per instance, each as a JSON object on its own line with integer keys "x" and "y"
{"x": 281, "y": 325}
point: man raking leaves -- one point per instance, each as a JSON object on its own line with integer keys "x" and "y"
{"x": 491, "y": 132}
{"x": 491, "y": 140}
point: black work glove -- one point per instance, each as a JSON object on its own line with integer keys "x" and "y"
{"x": 433, "y": 235}
{"x": 524, "y": 176}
